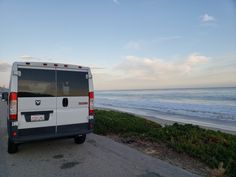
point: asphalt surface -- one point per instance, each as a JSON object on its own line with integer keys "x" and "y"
{"x": 98, "y": 157}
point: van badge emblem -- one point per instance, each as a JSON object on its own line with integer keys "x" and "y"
{"x": 37, "y": 102}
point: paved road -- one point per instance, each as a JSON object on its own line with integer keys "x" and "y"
{"x": 97, "y": 157}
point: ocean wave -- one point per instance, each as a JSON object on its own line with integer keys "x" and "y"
{"x": 210, "y": 104}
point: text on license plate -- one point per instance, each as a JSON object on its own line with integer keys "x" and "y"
{"x": 37, "y": 118}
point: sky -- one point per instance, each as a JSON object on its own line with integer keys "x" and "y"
{"x": 129, "y": 44}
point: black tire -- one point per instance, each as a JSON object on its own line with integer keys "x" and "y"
{"x": 12, "y": 147}
{"x": 80, "y": 139}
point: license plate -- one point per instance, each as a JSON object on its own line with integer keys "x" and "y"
{"x": 35, "y": 118}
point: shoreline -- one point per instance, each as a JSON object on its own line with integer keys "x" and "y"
{"x": 164, "y": 122}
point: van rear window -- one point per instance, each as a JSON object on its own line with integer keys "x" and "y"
{"x": 72, "y": 83}
{"x": 42, "y": 83}
{"x": 36, "y": 83}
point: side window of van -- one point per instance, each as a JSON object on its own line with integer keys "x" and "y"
{"x": 36, "y": 83}
{"x": 72, "y": 83}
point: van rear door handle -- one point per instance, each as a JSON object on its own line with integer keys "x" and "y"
{"x": 65, "y": 102}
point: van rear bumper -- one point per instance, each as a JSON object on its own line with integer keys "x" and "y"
{"x": 53, "y": 132}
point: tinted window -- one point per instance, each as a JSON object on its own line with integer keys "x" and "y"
{"x": 72, "y": 83}
{"x": 36, "y": 83}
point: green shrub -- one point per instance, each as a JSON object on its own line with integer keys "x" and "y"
{"x": 211, "y": 147}
{"x": 120, "y": 123}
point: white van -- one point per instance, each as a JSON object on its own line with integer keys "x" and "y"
{"x": 48, "y": 100}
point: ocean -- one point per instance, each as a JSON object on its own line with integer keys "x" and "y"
{"x": 212, "y": 107}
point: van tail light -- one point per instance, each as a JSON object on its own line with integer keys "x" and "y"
{"x": 13, "y": 106}
{"x": 14, "y": 133}
{"x": 91, "y": 103}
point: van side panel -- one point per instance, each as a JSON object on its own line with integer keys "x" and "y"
{"x": 14, "y": 79}
{"x": 90, "y": 81}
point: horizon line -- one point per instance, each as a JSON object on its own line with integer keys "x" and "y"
{"x": 174, "y": 88}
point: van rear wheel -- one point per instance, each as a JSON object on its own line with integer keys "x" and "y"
{"x": 80, "y": 139}
{"x": 12, "y": 147}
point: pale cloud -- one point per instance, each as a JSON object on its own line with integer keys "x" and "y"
{"x": 147, "y": 68}
{"x": 44, "y": 59}
{"x": 207, "y": 18}
{"x": 134, "y": 45}
{"x": 133, "y": 72}
{"x": 143, "y": 72}
{"x": 5, "y": 69}
{"x": 31, "y": 58}
{"x": 195, "y": 59}
{"x": 108, "y": 78}
{"x": 96, "y": 67}
{"x": 4, "y": 66}
{"x": 26, "y": 57}
{"x": 116, "y": 2}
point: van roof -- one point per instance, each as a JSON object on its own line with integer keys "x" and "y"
{"x": 46, "y": 64}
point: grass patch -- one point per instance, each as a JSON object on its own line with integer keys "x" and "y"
{"x": 211, "y": 147}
